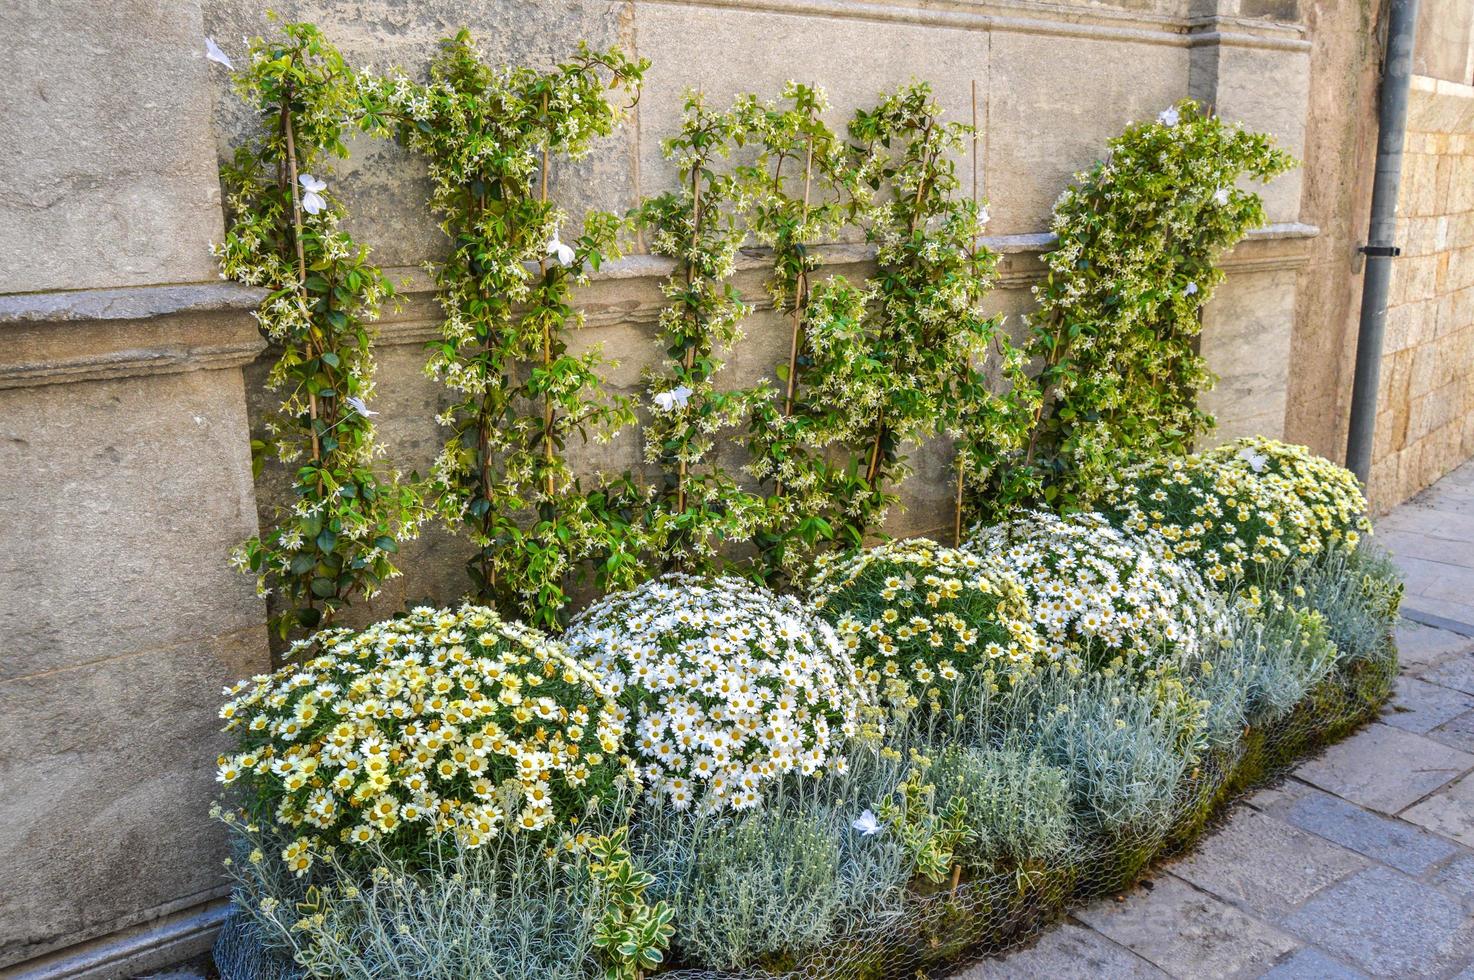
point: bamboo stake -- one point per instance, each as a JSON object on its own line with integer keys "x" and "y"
{"x": 957, "y": 503}
{"x": 800, "y": 298}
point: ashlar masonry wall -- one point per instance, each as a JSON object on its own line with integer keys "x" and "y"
{"x": 1425, "y": 418}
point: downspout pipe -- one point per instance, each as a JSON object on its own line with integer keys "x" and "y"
{"x": 1397, "y": 70}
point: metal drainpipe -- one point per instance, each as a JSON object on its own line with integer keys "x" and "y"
{"x": 1397, "y": 72}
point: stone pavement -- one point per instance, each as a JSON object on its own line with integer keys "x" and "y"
{"x": 1361, "y": 863}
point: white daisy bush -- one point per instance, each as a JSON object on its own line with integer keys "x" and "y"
{"x": 1100, "y": 595}
{"x": 1244, "y": 511}
{"x": 444, "y": 722}
{"x": 917, "y": 617}
{"x": 728, "y": 687}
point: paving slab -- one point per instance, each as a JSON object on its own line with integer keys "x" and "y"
{"x": 1420, "y": 646}
{"x": 1420, "y": 706}
{"x": 1457, "y": 672}
{"x": 1458, "y": 734}
{"x": 1449, "y": 812}
{"x": 1310, "y": 964}
{"x": 1387, "y": 924}
{"x": 1405, "y": 541}
{"x": 1070, "y": 952}
{"x": 1385, "y": 768}
{"x": 1457, "y": 879}
{"x": 1381, "y": 838}
{"x": 1188, "y": 933}
{"x": 1265, "y": 864}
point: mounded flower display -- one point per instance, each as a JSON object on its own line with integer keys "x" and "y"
{"x": 442, "y": 722}
{"x": 916, "y": 617}
{"x": 1242, "y": 511}
{"x": 727, "y": 686}
{"x": 1096, "y": 591}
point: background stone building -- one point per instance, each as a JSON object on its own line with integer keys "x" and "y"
{"x": 130, "y": 374}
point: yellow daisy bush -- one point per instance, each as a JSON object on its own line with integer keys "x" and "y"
{"x": 443, "y": 722}
{"x": 1243, "y": 511}
{"x": 916, "y": 617}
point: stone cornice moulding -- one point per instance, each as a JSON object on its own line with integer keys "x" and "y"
{"x": 626, "y": 291}
{"x": 1044, "y": 19}
{"x": 101, "y": 334}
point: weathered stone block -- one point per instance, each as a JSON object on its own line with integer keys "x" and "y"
{"x": 106, "y": 773}
{"x": 1388, "y": 841}
{"x": 1066, "y": 953}
{"x": 1449, "y": 812}
{"x": 1418, "y": 706}
{"x": 104, "y": 144}
{"x": 118, "y": 537}
{"x": 1265, "y": 864}
{"x": 1387, "y": 924}
{"x": 1186, "y": 932}
{"x": 1384, "y": 768}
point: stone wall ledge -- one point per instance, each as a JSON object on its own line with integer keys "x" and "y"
{"x": 128, "y": 303}
{"x": 626, "y": 290}
{"x": 136, "y": 950}
{"x": 1038, "y": 18}
{"x": 94, "y": 334}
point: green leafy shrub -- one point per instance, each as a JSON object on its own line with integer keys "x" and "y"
{"x": 1017, "y": 805}
{"x": 284, "y": 232}
{"x": 698, "y": 505}
{"x": 728, "y": 687}
{"x": 443, "y": 722}
{"x": 519, "y": 395}
{"x": 1119, "y": 309}
{"x": 1243, "y": 513}
{"x": 916, "y": 618}
{"x": 1099, "y": 595}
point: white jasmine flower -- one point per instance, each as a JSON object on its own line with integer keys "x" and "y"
{"x": 357, "y": 404}
{"x": 1191, "y": 289}
{"x": 312, "y": 201}
{"x": 1169, "y": 116}
{"x": 213, "y": 52}
{"x": 866, "y": 824}
{"x": 675, "y": 398}
{"x": 1220, "y": 196}
{"x": 1256, "y": 461}
{"x": 563, "y": 253}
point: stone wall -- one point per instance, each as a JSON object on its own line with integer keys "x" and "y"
{"x": 126, "y": 476}
{"x": 1425, "y": 420}
{"x": 130, "y": 376}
